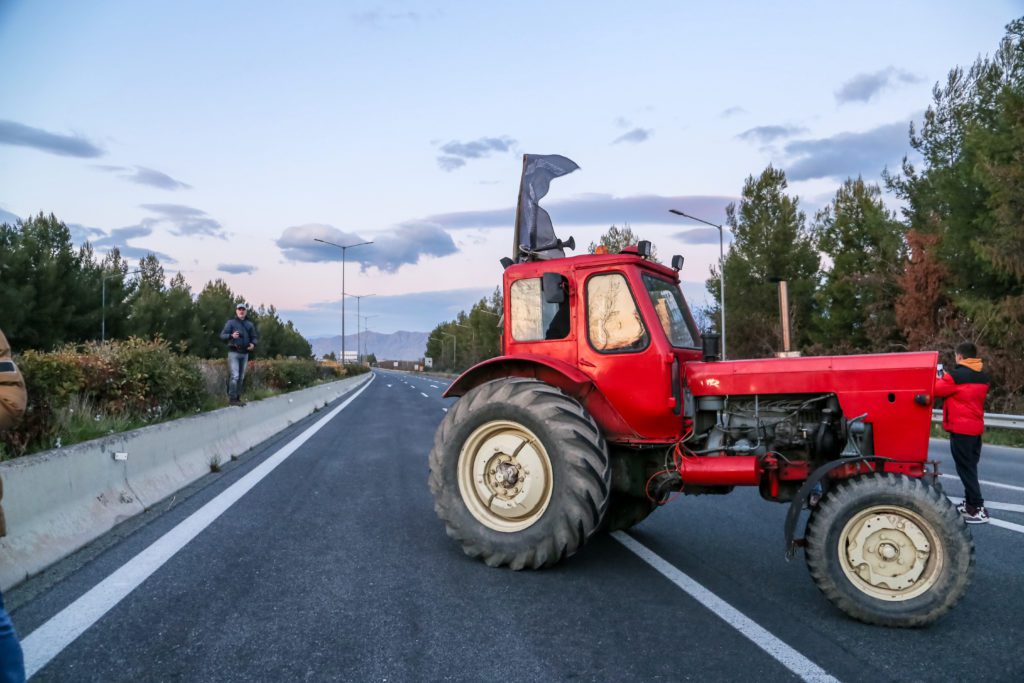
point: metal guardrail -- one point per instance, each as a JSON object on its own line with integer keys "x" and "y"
{"x": 992, "y": 420}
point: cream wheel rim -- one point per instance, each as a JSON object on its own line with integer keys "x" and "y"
{"x": 890, "y": 553}
{"x": 505, "y": 476}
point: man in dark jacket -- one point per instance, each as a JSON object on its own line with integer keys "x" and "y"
{"x": 241, "y": 336}
{"x": 963, "y": 416}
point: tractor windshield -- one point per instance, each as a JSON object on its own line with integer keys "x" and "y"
{"x": 668, "y": 304}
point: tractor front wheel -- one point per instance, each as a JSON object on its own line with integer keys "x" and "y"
{"x": 890, "y": 550}
{"x": 520, "y": 474}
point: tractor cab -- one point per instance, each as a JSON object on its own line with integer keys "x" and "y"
{"x": 618, "y": 319}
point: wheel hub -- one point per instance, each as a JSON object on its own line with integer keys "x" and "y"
{"x": 505, "y": 476}
{"x": 889, "y": 553}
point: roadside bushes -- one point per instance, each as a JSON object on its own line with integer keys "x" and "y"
{"x": 79, "y": 393}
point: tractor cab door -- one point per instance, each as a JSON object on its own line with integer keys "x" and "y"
{"x": 541, "y": 317}
{"x": 629, "y": 361}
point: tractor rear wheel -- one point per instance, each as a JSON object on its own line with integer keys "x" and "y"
{"x": 520, "y": 474}
{"x": 888, "y": 549}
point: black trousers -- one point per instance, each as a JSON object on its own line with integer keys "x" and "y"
{"x": 966, "y": 454}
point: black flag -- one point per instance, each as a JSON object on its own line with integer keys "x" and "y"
{"x": 534, "y": 231}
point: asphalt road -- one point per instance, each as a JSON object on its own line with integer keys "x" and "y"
{"x": 333, "y": 566}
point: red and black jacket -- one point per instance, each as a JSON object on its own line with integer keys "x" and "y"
{"x": 963, "y": 411}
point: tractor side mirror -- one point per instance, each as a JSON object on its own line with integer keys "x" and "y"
{"x": 551, "y": 285}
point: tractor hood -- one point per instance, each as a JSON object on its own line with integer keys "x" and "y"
{"x": 894, "y": 390}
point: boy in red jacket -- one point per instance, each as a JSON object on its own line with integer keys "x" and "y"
{"x": 963, "y": 416}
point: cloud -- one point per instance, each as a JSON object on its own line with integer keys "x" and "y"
{"x": 766, "y": 134}
{"x": 84, "y": 233}
{"x": 20, "y": 135}
{"x": 406, "y": 244}
{"x": 701, "y": 236}
{"x": 184, "y": 221}
{"x": 419, "y": 311}
{"x": 450, "y": 163}
{"x": 236, "y": 268}
{"x": 119, "y": 237}
{"x": 634, "y": 137}
{"x": 594, "y": 209}
{"x": 455, "y": 153}
{"x": 848, "y": 154}
{"x": 378, "y": 18}
{"x": 864, "y": 87}
{"x": 732, "y": 111}
{"x": 146, "y": 176}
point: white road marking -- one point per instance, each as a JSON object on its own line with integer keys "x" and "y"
{"x": 389, "y": 386}
{"x": 47, "y": 641}
{"x": 1009, "y": 507}
{"x": 783, "y": 653}
{"x": 1007, "y": 525}
{"x": 434, "y": 386}
{"x": 987, "y": 483}
{"x": 999, "y": 522}
{"x": 444, "y": 409}
{"x": 424, "y": 395}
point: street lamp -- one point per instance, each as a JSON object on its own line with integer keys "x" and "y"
{"x": 455, "y": 348}
{"x": 359, "y": 336}
{"x": 344, "y": 248}
{"x": 440, "y": 339}
{"x": 721, "y": 264}
{"x": 473, "y": 330}
{"x": 365, "y": 328}
{"x": 103, "y": 300}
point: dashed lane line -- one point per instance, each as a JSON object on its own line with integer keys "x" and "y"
{"x": 424, "y": 395}
{"x": 783, "y": 653}
{"x": 987, "y": 483}
{"x": 47, "y": 641}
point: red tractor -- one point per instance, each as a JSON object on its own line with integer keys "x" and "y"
{"x": 606, "y": 401}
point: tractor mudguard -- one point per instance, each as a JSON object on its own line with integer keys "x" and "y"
{"x": 557, "y": 373}
{"x": 804, "y": 493}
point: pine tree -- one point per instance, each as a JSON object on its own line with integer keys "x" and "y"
{"x": 771, "y": 241}
{"x": 856, "y": 301}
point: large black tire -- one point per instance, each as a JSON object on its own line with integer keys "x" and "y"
{"x": 626, "y": 511}
{"x": 889, "y": 550}
{"x": 520, "y": 474}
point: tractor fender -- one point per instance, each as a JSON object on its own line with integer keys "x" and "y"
{"x": 804, "y": 494}
{"x": 551, "y": 371}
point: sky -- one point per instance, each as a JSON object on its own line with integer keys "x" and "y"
{"x": 225, "y": 137}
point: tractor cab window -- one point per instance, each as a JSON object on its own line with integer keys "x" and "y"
{"x": 668, "y": 304}
{"x": 533, "y": 318}
{"x": 613, "y": 320}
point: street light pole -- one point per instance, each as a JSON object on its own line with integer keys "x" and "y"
{"x": 359, "y": 335}
{"x": 455, "y": 348}
{"x": 721, "y": 265}
{"x": 365, "y": 329}
{"x": 471, "y": 329}
{"x": 344, "y": 250}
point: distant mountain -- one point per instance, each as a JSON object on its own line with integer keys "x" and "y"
{"x": 394, "y": 346}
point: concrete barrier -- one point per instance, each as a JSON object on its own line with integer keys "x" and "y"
{"x": 60, "y": 500}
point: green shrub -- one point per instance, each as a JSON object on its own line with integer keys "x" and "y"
{"x": 81, "y": 393}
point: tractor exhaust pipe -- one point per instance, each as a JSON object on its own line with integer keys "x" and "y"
{"x": 709, "y": 346}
